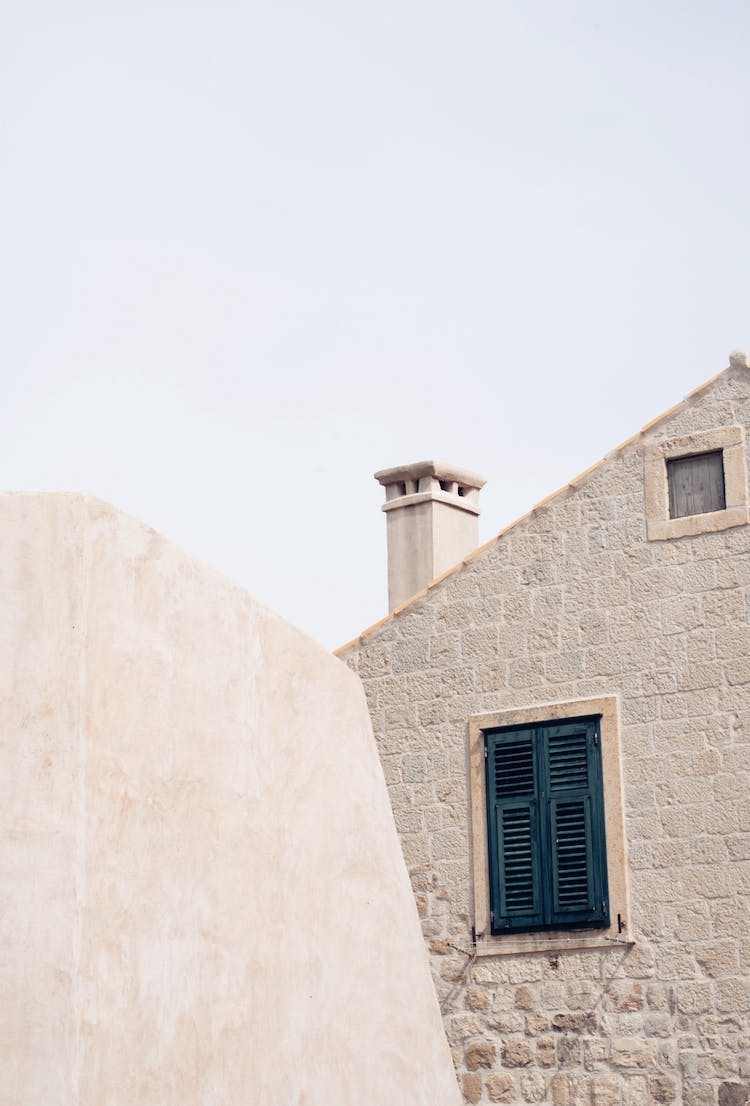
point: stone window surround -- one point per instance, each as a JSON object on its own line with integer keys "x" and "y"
{"x": 619, "y": 893}
{"x": 731, "y": 441}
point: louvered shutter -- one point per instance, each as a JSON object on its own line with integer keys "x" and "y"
{"x": 545, "y": 814}
{"x": 514, "y": 839}
{"x": 575, "y": 861}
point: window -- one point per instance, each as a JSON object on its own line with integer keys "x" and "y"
{"x": 696, "y": 484}
{"x": 549, "y": 869}
{"x": 546, "y": 833}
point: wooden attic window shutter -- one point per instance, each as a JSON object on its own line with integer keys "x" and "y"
{"x": 546, "y": 827}
{"x": 696, "y": 484}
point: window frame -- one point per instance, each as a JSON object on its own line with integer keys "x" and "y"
{"x": 730, "y": 441}
{"x": 534, "y": 813}
{"x": 619, "y": 930}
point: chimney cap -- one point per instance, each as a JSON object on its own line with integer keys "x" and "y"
{"x": 438, "y": 469}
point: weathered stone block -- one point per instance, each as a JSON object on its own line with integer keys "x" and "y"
{"x": 511, "y": 1021}
{"x": 605, "y": 1090}
{"x": 471, "y": 1083}
{"x": 480, "y": 1054}
{"x": 596, "y": 1053}
{"x": 503, "y": 997}
{"x": 658, "y": 1025}
{"x": 635, "y": 1091}
{"x": 463, "y": 1025}
{"x": 374, "y": 662}
{"x": 501, "y": 1088}
{"x": 718, "y": 958}
{"x": 630, "y": 1052}
{"x": 568, "y": 1052}
{"x": 695, "y": 998}
{"x": 546, "y": 1056}
{"x": 537, "y": 1023}
{"x": 480, "y": 646}
{"x": 733, "y": 1094}
{"x": 663, "y": 1088}
{"x": 560, "y": 1090}
{"x": 517, "y": 1053}
{"x": 533, "y": 1086}
{"x": 408, "y": 656}
{"x": 477, "y": 998}
{"x": 524, "y": 970}
{"x": 568, "y": 1021}
{"x": 733, "y": 995}
{"x": 524, "y": 998}
{"x": 626, "y": 997}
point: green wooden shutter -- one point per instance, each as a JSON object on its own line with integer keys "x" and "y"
{"x": 573, "y": 824}
{"x": 516, "y": 892}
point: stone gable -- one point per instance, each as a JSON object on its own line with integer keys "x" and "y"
{"x": 574, "y": 602}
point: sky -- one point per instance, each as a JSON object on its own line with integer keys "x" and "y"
{"x": 251, "y": 252}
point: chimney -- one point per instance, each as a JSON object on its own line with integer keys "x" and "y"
{"x": 432, "y": 513}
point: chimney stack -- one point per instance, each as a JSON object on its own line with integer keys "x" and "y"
{"x": 432, "y": 513}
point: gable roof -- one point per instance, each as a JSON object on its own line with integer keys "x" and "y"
{"x": 738, "y": 360}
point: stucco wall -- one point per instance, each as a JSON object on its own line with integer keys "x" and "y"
{"x": 203, "y": 897}
{"x": 573, "y": 603}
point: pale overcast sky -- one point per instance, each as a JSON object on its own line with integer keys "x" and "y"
{"x": 251, "y": 252}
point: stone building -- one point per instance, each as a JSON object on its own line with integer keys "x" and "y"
{"x": 563, "y": 719}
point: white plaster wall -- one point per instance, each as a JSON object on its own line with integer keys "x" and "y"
{"x": 203, "y": 896}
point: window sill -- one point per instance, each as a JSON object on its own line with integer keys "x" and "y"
{"x": 552, "y": 942}
{"x": 711, "y": 523}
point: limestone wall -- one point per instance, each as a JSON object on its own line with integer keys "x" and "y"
{"x": 203, "y": 897}
{"x": 572, "y": 603}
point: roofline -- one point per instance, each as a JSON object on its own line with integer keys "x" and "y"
{"x": 737, "y": 360}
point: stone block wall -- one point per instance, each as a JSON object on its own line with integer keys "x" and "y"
{"x": 574, "y": 602}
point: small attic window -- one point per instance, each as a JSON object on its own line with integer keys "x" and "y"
{"x": 461, "y": 491}
{"x": 444, "y": 485}
{"x": 696, "y": 484}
